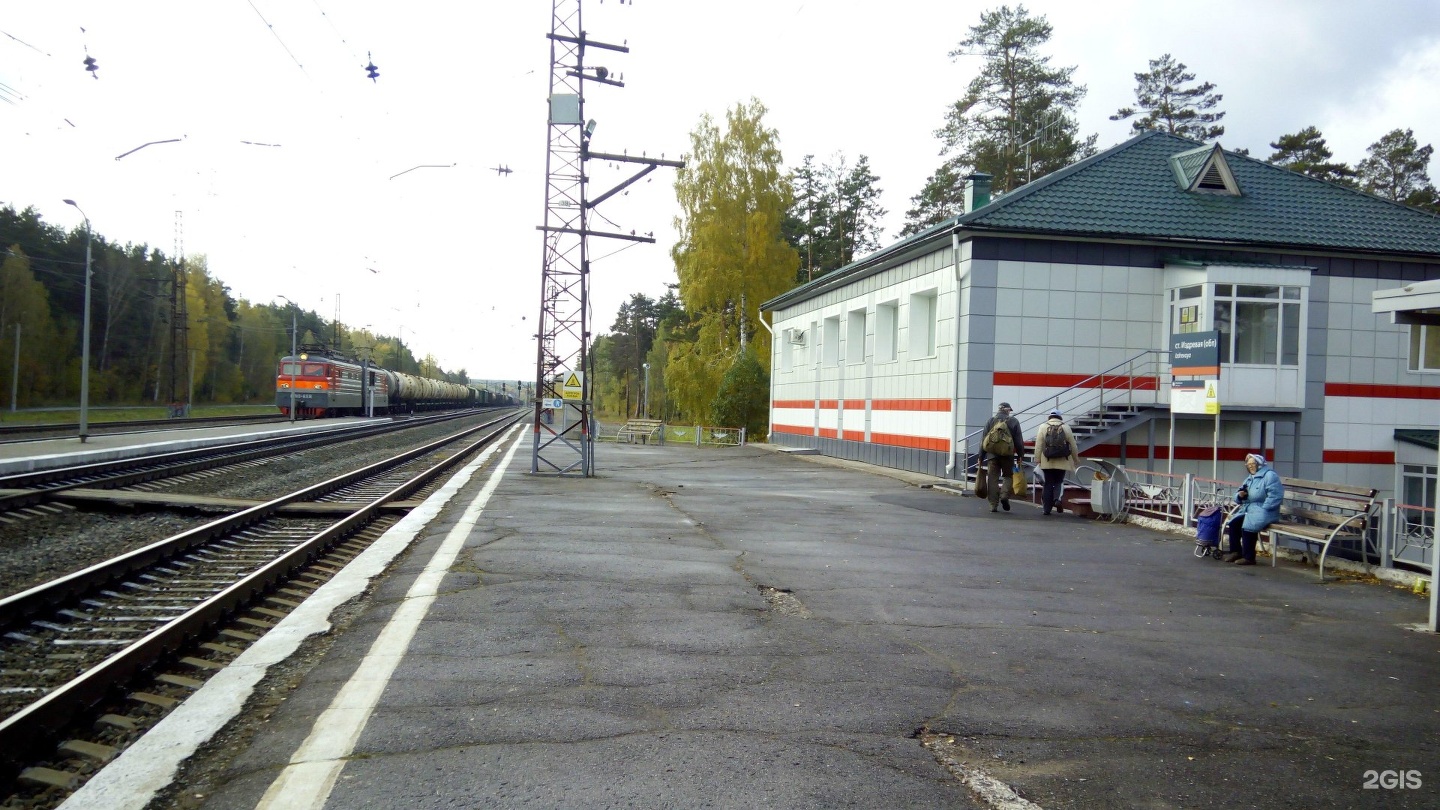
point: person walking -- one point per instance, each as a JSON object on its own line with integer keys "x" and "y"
{"x": 1055, "y": 454}
{"x": 1257, "y": 506}
{"x": 1002, "y": 442}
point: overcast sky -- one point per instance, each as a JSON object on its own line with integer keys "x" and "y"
{"x": 311, "y": 208}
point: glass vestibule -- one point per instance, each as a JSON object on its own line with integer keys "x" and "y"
{"x": 1261, "y": 328}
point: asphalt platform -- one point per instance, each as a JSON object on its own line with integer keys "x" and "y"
{"x": 741, "y": 627}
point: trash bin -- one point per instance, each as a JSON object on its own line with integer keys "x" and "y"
{"x": 1105, "y": 495}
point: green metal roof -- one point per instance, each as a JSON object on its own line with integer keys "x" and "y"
{"x": 1130, "y": 191}
{"x": 1133, "y": 191}
{"x": 1419, "y": 436}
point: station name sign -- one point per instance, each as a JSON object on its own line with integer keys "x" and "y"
{"x": 1195, "y": 354}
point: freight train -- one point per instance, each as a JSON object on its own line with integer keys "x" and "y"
{"x": 323, "y": 384}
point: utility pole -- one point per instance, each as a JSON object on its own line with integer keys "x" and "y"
{"x": 179, "y": 323}
{"x": 564, "y": 445}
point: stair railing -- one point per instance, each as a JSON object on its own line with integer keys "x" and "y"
{"x": 1142, "y": 372}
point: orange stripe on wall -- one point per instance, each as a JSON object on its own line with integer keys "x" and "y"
{"x": 1382, "y": 391}
{"x": 910, "y": 405}
{"x": 1358, "y": 457}
{"x": 1038, "y": 379}
{"x": 827, "y": 433}
{"x": 798, "y": 431}
{"x": 854, "y": 404}
{"x": 794, "y": 403}
{"x": 901, "y": 440}
{"x": 829, "y": 404}
{"x": 853, "y": 435}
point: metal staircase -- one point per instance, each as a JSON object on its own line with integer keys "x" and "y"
{"x": 1099, "y": 408}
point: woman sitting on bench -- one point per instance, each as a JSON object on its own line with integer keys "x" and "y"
{"x": 1258, "y": 505}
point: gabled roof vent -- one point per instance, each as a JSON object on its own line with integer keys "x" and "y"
{"x": 1204, "y": 171}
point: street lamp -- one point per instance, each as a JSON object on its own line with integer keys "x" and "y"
{"x": 294, "y": 360}
{"x": 646, "y": 366}
{"x": 85, "y": 332}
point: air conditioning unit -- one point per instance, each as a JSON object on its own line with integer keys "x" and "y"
{"x": 797, "y": 337}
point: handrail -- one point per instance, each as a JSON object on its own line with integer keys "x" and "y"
{"x": 1079, "y": 395}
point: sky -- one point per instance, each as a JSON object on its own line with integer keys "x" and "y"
{"x": 297, "y": 176}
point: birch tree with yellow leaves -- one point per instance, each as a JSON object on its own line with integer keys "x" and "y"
{"x": 731, "y": 255}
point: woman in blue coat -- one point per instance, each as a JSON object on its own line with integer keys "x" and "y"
{"x": 1258, "y": 505}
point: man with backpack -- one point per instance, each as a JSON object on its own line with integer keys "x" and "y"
{"x": 1002, "y": 442}
{"x": 1055, "y": 454}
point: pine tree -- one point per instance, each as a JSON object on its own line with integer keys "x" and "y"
{"x": 1016, "y": 120}
{"x": 1305, "y": 152}
{"x": 1397, "y": 169}
{"x": 1170, "y": 106}
{"x": 835, "y": 216}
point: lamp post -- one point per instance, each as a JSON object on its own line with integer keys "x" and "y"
{"x": 294, "y": 360}
{"x": 85, "y": 332}
{"x": 646, "y": 366}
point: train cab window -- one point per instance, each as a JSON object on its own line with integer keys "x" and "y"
{"x": 303, "y": 369}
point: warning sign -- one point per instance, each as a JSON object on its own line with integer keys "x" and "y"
{"x": 574, "y": 387}
{"x": 1195, "y": 396}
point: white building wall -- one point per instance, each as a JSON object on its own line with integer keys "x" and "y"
{"x": 1029, "y": 330}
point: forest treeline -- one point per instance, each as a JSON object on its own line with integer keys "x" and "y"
{"x": 232, "y": 344}
{"x": 751, "y": 229}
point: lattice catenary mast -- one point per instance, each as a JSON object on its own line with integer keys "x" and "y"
{"x": 563, "y": 436}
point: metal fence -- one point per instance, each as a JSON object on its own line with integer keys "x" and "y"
{"x": 1403, "y": 535}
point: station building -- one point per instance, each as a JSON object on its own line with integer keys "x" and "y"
{"x": 1067, "y": 292}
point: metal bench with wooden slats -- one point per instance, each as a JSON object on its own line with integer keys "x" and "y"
{"x": 642, "y": 429}
{"x": 1317, "y": 513}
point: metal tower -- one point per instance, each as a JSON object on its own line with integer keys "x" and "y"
{"x": 563, "y": 426}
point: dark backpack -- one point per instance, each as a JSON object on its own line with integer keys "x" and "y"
{"x": 1055, "y": 445}
{"x": 998, "y": 441}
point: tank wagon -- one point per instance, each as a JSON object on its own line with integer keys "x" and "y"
{"x": 320, "y": 384}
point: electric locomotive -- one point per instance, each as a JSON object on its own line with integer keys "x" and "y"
{"x": 316, "y": 384}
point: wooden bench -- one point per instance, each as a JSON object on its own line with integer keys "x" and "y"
{"x": 1317, "y": 513}
{"x": 642, "y": 429}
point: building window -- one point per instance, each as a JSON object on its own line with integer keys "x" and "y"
{"x": 1424, "y": 347}
{"x": 887, "y": 331}
{"x": 922, "y": 325}
{"x": 1417, "y": 488}
{"x": 1185, "y": 309}
{"x": 1258, "y": 324}
{"x": 831, "y": 345}
{"x": 787, "y": 348}
{"x": 855, "y": 337}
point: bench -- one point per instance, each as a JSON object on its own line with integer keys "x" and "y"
{"x": 1317, "y": 513}
{"x": 642, "y": 429}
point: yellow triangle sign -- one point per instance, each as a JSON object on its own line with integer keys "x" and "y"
{"x": 573, "y": 381}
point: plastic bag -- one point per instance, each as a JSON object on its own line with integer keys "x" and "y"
{"x": 982, "y": 483}
{"x": 1018, "y": 485}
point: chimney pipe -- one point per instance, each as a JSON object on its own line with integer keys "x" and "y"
{"x": 977, "y": 191}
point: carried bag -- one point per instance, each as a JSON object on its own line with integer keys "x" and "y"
{"x": 982, "y": 483}
{"x": 1018, "y": 484}
{"x": 1055, "y": 446}
{"x": 998, "y": 441}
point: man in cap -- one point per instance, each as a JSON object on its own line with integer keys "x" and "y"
{"x": 1001, "y": 454}
{"x": 1055, "y": 454}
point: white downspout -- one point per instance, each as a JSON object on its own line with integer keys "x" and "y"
{"x": 955, "y": 362}
{"x": 760, "y": 316}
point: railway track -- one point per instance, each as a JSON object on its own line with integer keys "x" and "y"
{"x": 175, "y": 611}
{"x": 24, "y": 433}
{"x": 25, "y": 491}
